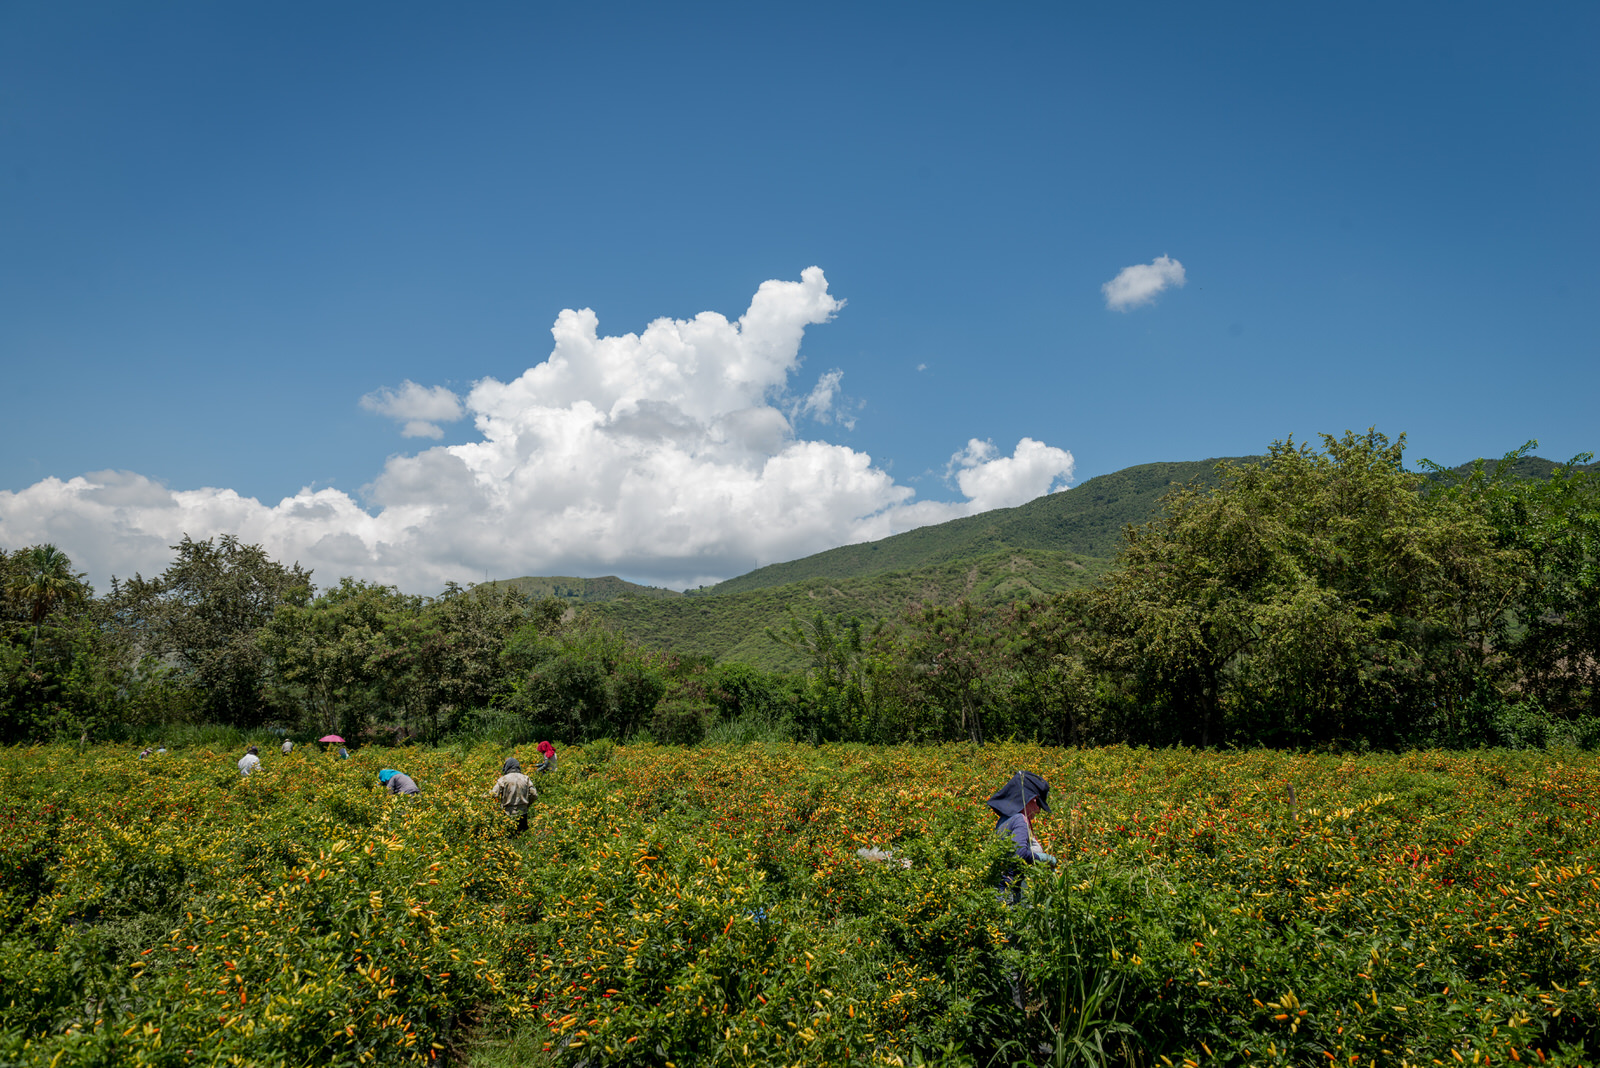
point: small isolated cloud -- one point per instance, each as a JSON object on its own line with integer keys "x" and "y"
{"x": 420, "y": 408}
{"x": 990, "y": 480}
{"x": 922, "y": 367}
{"x": 822, "y": 403}
{"x": 1142, "y": 283}
{"x": 670, "y": 456}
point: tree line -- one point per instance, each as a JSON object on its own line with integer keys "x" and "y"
{"x": 1319, "y": 597}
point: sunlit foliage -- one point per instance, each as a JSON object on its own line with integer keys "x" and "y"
{"x": 713, "y": 906}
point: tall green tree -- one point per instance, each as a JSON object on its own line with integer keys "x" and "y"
{"x": 201, "y": 615}
{"x": 1315, "y": 596}
{"x": 42, "y": 579}
{"x": 1546, "y": 629}
{"x": 955, "y": 662}
{"x": 58, "y": 675}
{"x": 837, "y": 701}
{"x": 322, "y": 658}
{"x": 442, "y": 661}
{"x": 1053, "y": 694}
{"x": 1559, "y": 650}
{"x": 580, "y": 680}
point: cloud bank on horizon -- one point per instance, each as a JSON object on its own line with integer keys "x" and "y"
{"x": 670, "y": 457}
{"x": 1142, "y": 283}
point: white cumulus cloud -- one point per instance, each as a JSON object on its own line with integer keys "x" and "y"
{"x": 1142, "y": 283}
{"x": 990, "y": 480}
{"x": 420, "y": 408}
{"x": 664, "y": 456}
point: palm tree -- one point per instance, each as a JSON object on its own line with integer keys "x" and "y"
{"x": 45, "y": 582}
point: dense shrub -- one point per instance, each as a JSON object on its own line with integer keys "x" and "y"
{"x": 797, "y": 905}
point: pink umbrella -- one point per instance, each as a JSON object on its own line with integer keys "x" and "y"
{"x": 331, "y": 738}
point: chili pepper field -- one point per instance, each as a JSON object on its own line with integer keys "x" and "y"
{"x": 687, "y": 907}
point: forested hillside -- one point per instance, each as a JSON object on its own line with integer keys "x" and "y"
{"x": 734, "y": 626}
{"x": 1085, "y": 521}
{"x": 1057, "y": 542}
{"x": 584, "y": 590}
{"x": 1062, "y": 541}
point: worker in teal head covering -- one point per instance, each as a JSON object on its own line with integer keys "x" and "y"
{"x": 398, "y": 782}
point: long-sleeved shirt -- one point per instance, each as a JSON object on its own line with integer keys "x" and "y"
{"x": 400, "y": 783}
{"x": 515, "y": 792}
{"x": 1021, "y": 833}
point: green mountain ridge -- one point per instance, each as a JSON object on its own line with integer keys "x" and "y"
{"x": 1034, "y": 550}
{"x": 585, "y": 590}
{"x": 1053, "y": 543}
{"x": 1086, "y": 519}
{"x": 733, "y": 626}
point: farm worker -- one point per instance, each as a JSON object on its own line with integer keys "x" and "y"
{"x": 398, "y": 782}
{"x": 250, "y": 761}
{"x": 1022, "y": 798}
{"x": 515, "y": 791}
{"x": 547, "y": 751}
{"x": 287, "y": 746}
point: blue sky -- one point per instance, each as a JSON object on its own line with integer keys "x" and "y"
{"x": 231, "y": 234}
